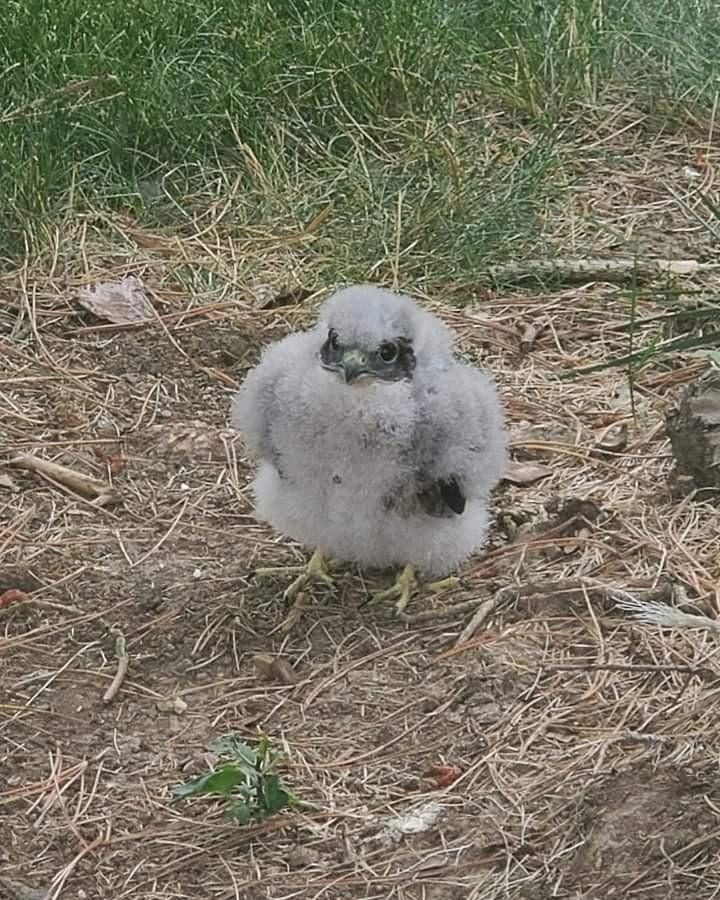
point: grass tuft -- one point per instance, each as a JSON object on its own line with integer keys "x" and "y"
{"x": 433, "y": 129}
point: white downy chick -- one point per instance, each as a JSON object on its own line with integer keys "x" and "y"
{"x": 376, "y": 444}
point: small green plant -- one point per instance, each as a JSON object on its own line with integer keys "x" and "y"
{"x": 247, "y": 780}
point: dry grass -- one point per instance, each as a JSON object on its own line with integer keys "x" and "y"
{"x": 587, "y": 742}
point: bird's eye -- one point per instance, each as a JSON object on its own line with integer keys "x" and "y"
{"x": 388, "y": 352}
{"x": 333, "y": 339}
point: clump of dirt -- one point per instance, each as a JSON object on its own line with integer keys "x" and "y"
{"x": 643, "y": 827}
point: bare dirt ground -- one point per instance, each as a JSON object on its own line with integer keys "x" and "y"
{"x": 586, "y": 742}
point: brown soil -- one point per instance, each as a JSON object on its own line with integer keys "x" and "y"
{"x": 587, "y": 743}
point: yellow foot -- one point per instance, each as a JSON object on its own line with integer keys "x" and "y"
{"x": 445, "y": 584}
{"x": 405, "y": 586}
{"x": 317, "y": 569}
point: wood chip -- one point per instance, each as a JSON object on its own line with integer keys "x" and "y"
{"x": 440, "y": 775}
{"x": 120, "y": 302}
{"x": 523, "y": 473}
{"x": 530, "y": 332}
{"x": 12, "y": 596}
{"x": 267, "y": 297}
{"x": 275, "y": 668}
{"x": 612, "y": 439}
{"x": 604, "y": 419}
{"x": 192, "y": 438}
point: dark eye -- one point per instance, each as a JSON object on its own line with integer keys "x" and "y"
{"x": 388, "y": 352}
{"x": 333, "y": 339}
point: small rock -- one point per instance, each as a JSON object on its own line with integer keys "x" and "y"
{"x": 175, "y": 705}
{"x": 301, "y": 857}
{"x": 175, "y": 725}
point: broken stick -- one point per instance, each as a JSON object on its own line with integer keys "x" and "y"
{"x": 612, "y": 270}
{"x": 123, "y": 662}
{"x": 98, "y": 492}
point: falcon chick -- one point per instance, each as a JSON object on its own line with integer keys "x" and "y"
{"x": 376, "y": 445}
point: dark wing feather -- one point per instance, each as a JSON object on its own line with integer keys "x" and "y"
{"x": 441, "y": 498}
{"x": 453, "y": 496}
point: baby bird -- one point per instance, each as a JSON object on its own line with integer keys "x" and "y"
{"x": 376, "y": 445}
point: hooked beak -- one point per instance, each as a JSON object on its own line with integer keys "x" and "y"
{"x": 354, "y": 364}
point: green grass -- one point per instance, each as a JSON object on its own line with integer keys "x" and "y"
{"x": 544, "y": 57}
{"x": 163, "y": 109}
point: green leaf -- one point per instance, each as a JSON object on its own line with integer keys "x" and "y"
{"x": 221, "y": 781}
{"x": 231, "y": 745}
{"x": 239, "y": 812}
{"x": 247, "y": 780}
{"x": 274, "y": 795}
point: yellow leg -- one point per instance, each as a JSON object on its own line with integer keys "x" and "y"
{"x": 445, "y": 584}
{"x": 405, "y": 586}
{"x": 316, "y": 569}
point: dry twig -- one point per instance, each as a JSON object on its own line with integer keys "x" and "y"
{"x": 98, "y": 492}
{"x": 611, "y": 270}
{"x": 122, "y": 667}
